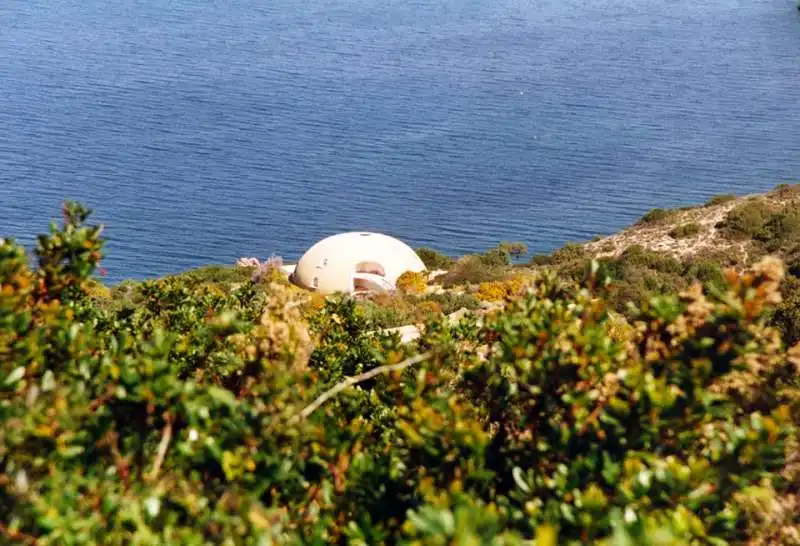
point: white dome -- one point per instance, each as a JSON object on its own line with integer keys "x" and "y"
{"x": 355, "y": 260}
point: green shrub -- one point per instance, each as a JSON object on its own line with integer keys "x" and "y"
{"x": 685, "y": 230}
{"x": 218, "y": 274}
{"x": 346, "y": 344}
{"x": 748, "y": 219}
{"x": 387, "y": 311}
{"x": 792, "y": 259}
{"x": 655, "y": 216}
{"x": 383, "y": 310}
{"x": 786, "y": 316}
{"x": 606, "y": 446}
{"x": 496, "y": 257}
{"x": 451, "y": 301}
{"x": 471, "y": 270}
{"x": 502, "y": 255}
{"x": 782, "y": 228}
{"x": 772, "y": 227}
{"x": 513, "y": 248}
{"x": 541, "y": 259}
{"x": 434, "y": 260}
{"x": 569, "y": 260}
{"x": 638, "y": 274}
{"x": 570, "y": 252}
{"x": 658, "y": 261}
{"x": 721, "y": 199}
{"x": 708, "y": 271}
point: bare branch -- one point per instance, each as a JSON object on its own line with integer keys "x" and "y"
{"x": 166, "y": 436}
{"x": 350, "y": 381}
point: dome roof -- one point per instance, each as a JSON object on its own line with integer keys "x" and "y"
{"x": 355, "y": 260}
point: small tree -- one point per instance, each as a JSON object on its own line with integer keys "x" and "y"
{"x": 434, "y": 260}
{"x": 514, "y": 249}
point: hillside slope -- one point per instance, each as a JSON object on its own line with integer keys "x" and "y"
{"x": 741, "y": 228}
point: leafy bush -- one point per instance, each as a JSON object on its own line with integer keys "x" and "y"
{"x": 514, "y": 249}
{"x": 570, "y": 260}
{"x": 570, "y": 252}
{"x": 708, "y": 271}
{"x": 451, "y": 301}
{"x": 496, "y": 257}
{"x": 638, "y": 274}
{"x": 270, "y": 270}
{"x": 773, "y": 227}
{"x": 782, "y": 227}
{"x": 412, "y": 282}
{"x": 218, "y": 274}
{"x": 655, "y": 216}
{"x": 204, "y": 417}
{"x": 471, "y": 270}
{"x": 541, "y": 259}
{"x": 385, "y": 310}
{"x": 658, "y": 261}
{"x": 599, "y": 445}
{"x": 786, "y": 316}
{"x": 748, "y": 219}
{"x": 720, "y": 199}
{"x": 792, "y": 259}
{"x": 434, "y": 260}
{"x": 427, "y": 309}
{"x": 685, "y": 230}
{"x": 500, "y": 256}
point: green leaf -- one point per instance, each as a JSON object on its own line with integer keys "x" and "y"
{"x": 48, "y": 381}
{"x": 519, "y": 479}
{"x": 222, "y": 396}
{"x": 71, "y": 451}
{"x": 15, "y": 376}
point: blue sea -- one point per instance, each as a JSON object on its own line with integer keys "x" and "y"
{"x": 202, "y": 131}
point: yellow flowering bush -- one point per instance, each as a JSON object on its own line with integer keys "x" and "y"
{"x": 494, "y": 291}
{"x": 412, "y": 282}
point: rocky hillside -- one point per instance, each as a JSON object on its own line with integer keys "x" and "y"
{"x": 738, "y": 229}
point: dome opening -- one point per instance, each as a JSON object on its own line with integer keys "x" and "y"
{"x": 370, "y": 267}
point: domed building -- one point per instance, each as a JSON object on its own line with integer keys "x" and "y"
{"x": 355, "y": 261}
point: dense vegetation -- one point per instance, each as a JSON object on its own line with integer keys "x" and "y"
{"x": 235, "y": 410}
{"x": 751, "y": 229}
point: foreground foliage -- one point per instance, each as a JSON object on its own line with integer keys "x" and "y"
{"x": 190, "y": 415}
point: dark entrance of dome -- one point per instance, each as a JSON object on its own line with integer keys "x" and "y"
{"x": 370, "y": 277}
{"x": 373, "y": 268}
